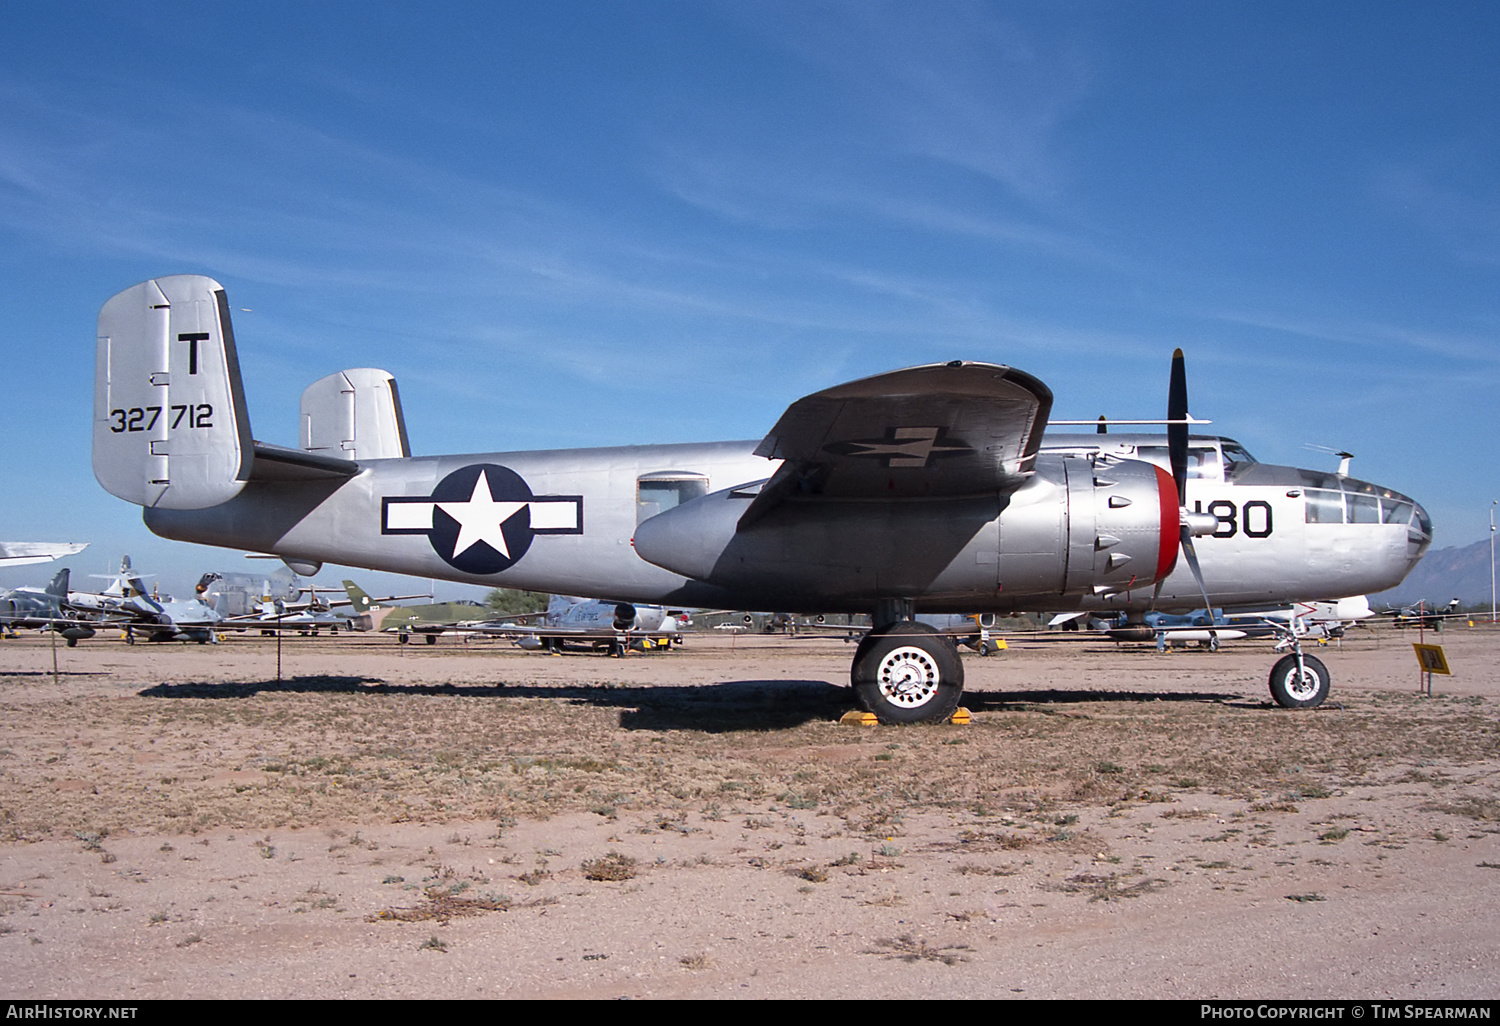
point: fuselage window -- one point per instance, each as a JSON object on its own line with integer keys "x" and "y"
{"x": 1364, "y": 509}
{"x": 1396, "y": 511}
{"x": 1325, "y": 507}
{"x": 657, "y": 493}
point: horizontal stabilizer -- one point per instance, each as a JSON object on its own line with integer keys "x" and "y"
{"x": 278, "y": 463}
{"x": 170, "y": 427}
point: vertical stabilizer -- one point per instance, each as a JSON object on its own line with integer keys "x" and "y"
{"x": 355, "y": 415}
{"x": 170, "y": 427}
{"x": 357, "y": 597}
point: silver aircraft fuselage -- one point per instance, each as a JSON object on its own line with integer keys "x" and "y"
{"x": 1284, "y": 534}
{"x": 353, "y": 523}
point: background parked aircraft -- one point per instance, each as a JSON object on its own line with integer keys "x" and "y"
{"x": 609, "y": 626}
{"x": 428, "y": 620}
{"x": 127, "y": 604}
{"x": 45, "y": 609}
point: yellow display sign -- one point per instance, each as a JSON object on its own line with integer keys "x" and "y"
{"x": 1431, "y": 659}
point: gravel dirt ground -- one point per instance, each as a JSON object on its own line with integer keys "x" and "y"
{"x": 470, "y": 820}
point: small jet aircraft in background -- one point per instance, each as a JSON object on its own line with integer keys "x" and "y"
{"x": 1304, "y": 620}
{"x": 428, "y": 620}
{"x": 23, "y": 553}
{"x": 45, "y": 609}
{"x": 924, "y": 490}
{"x": 126, "y": 604}
{"x": 269, "y": 603}
{"x": 1427, "y": 617}
{"x": 238, "y": 595}
{"x": 607, "y": 626}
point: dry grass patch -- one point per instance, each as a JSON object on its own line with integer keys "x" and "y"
{"x": 1108, "y": 886}
{"x": 915, "y": 949}
{"x": 610, "y": 867}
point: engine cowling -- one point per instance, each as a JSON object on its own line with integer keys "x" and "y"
{"x": 1072, "y": 530}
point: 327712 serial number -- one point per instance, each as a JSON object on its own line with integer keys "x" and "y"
{"x": 144, "y": 418}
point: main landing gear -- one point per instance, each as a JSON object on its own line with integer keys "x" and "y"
{"x": 907, "y": 672}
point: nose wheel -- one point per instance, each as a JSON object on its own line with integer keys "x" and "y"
{"x": 906, "y": 672}
{"x": 1299, "y": 681}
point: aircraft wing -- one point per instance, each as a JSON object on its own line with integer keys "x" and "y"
{"x": 937, "y": 431}
{"x": 22, "y": 553}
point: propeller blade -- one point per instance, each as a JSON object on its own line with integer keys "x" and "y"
{"x": 1103, "y": 428}
{"x": 1177, "y": 430}
{"x": 1192, "y": 558}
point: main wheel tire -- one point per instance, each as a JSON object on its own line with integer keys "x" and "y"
{"x": 908, "y": 673}
{"x": 1304, "y": 691}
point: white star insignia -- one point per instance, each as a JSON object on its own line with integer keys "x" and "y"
{"x": 908, "y": 446}
{"x": 481, "y": 518}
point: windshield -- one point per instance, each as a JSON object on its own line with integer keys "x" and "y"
{"x": 1235, "y": 454}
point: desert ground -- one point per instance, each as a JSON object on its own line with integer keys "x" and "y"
{"x": 471, "y": 820}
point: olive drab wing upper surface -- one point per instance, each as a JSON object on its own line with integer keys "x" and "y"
{"x": 939, "y": 430}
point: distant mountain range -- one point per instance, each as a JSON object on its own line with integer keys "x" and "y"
{"x": 1443, "y": 574}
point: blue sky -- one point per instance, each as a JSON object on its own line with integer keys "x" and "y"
{"x": 580, "y": 223}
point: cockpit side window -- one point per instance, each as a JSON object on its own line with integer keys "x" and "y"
{"x": 1202, "y": 462}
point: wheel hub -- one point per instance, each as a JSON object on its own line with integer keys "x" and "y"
{"x": 1303, "y": 685}
{"x": 908, "y": 677}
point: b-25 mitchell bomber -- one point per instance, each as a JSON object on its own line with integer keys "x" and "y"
{"x": 920, "y": 490}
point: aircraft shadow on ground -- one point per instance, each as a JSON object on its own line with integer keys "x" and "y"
{"x": 710, "y": 708}
{"x": 1021, "y": 701}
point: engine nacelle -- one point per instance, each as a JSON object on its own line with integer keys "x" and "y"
{"x": 1071, "y": 530}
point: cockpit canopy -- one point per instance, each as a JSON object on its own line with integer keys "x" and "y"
{"x": 1210, "y": 458}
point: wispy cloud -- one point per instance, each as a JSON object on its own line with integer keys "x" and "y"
{"x": 953, "y": 82}
{"x": 1466, "y": 222}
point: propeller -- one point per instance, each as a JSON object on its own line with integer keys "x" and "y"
{"x": 1177, "y": 454}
